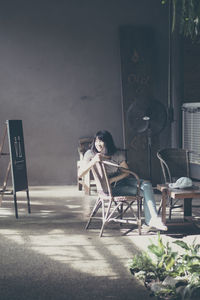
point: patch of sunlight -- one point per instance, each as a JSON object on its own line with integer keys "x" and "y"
{"x": 54, "y": 192}
{"x": 71, "y": 253}
{"x": 14, "y": 235}
{"x": 72, "y": 206}
{"x": 6, "y": 212}
{"x": 8, "y": 231}
{"x": 120, "y": 251}
{"x": 141, "y": 242}
{"x": 36, "y": 202}
{"x": 77, "y": 252}
{"x": 95, "y": 268}
{"x": 83, "y": 258}
{"x": 56, "y": 231}
{"x": 58, "y": 240}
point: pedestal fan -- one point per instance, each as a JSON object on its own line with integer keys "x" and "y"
{"x": 150, "y": 117}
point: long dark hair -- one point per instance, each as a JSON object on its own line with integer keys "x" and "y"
{"x": 107, "y": 138}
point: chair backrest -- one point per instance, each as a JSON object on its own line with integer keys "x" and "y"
{"x": 102, "y": 180}
{"x": 174, "y": 163}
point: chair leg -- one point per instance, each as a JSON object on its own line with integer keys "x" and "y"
{"x": 121, "y": 208}
{"x": 170, "y": 209}
{"x": 86, "y": 180}
{"x": 80, "y": 186}
{"x": 107, "y": 213}
{"x": 106, "y": 217}
{"x": 102, "y": 229}
{"x": 160, "y": 206}
{"x": 79, "y": 179}
{"x": 121, "y": 211}
{"x": 139, "y": 221}
{"x": 94, "y": 211}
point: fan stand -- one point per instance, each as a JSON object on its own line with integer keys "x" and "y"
{"x": 148, "y": 128}
{"x": 148, "y": 118}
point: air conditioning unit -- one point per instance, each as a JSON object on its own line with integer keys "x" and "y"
{"x": 191, "y": 135}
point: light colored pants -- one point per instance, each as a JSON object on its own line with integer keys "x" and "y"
{"x": 128, "y": 187}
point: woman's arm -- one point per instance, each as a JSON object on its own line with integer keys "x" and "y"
{"x": 122, "y": 175}
{"x": 86, "y": 165}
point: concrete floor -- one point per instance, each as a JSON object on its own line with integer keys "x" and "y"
{"x": 49, "y": 255}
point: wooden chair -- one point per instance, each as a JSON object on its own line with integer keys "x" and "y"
{"x": 174, "y": 164}
{"x": 114, "y": 208}
{"x": 86, "y": 182}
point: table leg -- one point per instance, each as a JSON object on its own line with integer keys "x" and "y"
{"x": 187, "y": 207}
{"x": 164, "y": 201}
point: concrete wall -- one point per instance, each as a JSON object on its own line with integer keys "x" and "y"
{"x": 60, "y": 74}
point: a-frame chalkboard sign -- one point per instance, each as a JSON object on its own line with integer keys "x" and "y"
{"x": 17, "y": 163}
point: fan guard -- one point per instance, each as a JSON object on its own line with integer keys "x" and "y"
{"x": 142, "y": 115}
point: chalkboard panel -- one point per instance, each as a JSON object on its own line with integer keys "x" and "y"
{"x": 17, "y": 155}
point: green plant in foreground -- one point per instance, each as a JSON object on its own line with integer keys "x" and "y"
{"x": 166, "y": 263}
{"x": 165, "y": 258}
{"x": 142, "y": 266}
{"x": 188, "y": 262}
{"x": 188, "y": 267}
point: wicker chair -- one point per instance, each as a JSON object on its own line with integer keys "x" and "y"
{"x": 87, "y": 181}
{"x": 174, "y": 164}
{"x": 114, "y": 208}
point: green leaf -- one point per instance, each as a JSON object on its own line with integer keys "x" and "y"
{"x": 169, "y": 261}
{"x": 194, "y": 257}
{"x": 174, "y": 15}
{"x": 182, "y": 244}
{"x": 194, "y": 268}
{"x": 197, "y": 247}
{"x": 156, "y": 250}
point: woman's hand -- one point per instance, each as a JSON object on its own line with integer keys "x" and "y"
{"x": 122, "y": 175}
{"x": 111, "y": 180}
{"x": 85, "y": 166}
{"x": 96, "y": 158}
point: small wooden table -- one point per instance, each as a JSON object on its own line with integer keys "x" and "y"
{"x": 186, "y": 194}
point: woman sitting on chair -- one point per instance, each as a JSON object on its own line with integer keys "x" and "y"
{"x": 104, "y": 146}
